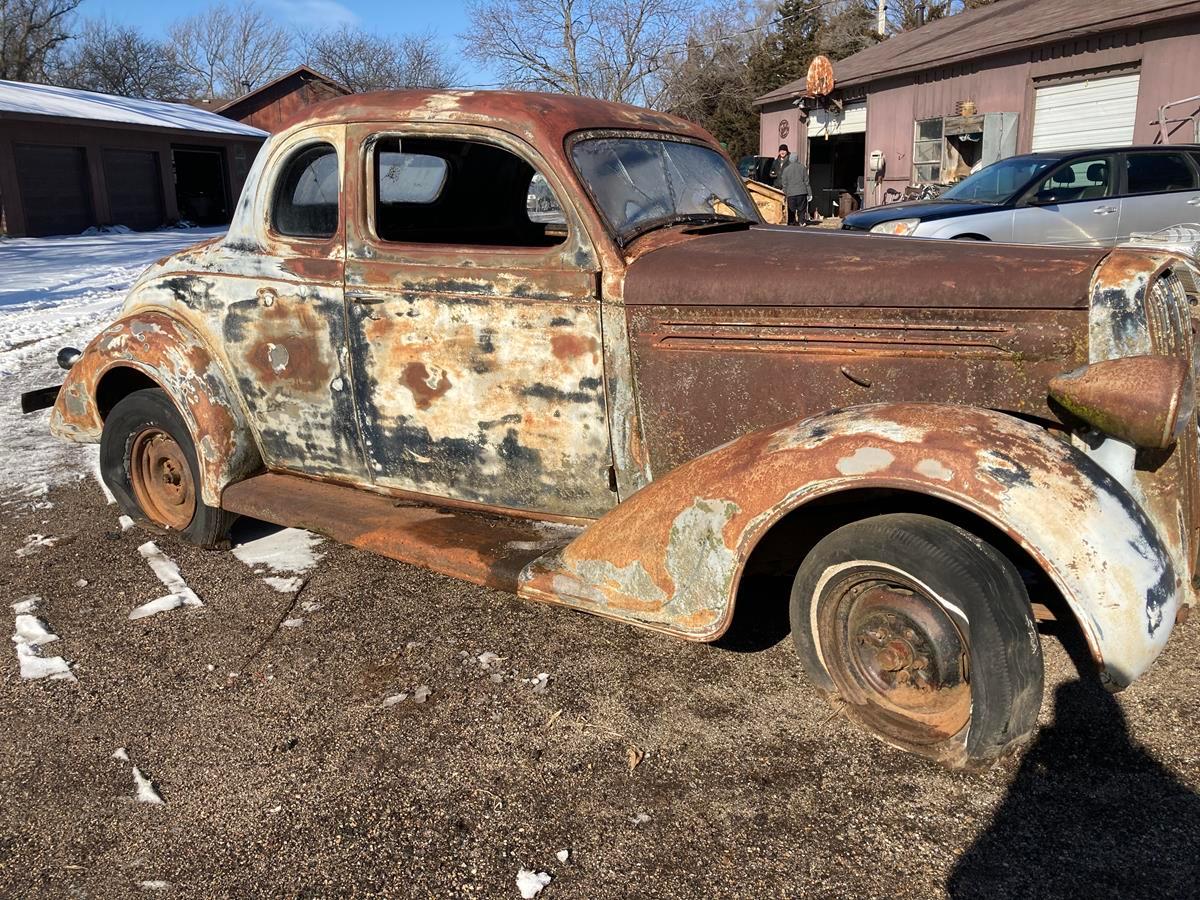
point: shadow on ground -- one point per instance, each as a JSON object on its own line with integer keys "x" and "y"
{"x": 1089, "y": 813}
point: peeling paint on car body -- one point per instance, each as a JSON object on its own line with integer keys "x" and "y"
{"x": 599, "y": 426}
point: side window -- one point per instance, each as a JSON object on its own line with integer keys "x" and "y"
{"x": 1158, "y": 173}
{"x": 1082, "y": 179}
{"x": 439, "y": 191}
{"x": 306, "y": 195}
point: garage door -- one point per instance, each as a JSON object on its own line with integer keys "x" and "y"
{"x": 1099, "y": 112}
{"x": 851, "y": 120}
{"x": 134, "y": 188}
{"x": 55, "y": 189}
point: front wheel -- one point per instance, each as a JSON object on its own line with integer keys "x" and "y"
{"x": 923, "y": 634}
{"x": 148, "y": 461}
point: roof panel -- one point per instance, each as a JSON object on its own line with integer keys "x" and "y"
{"x": 1000, "y": 26}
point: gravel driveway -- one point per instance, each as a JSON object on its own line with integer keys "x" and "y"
{"x": 288, "y": 765}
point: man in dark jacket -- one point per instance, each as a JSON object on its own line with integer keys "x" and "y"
{"x": 793, "y": 181}
{"x": 777, "y": 165}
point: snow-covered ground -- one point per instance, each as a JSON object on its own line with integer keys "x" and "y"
{"x": 57, "y": 292}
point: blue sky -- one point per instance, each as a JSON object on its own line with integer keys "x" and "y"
{"x": 443, "y": 17}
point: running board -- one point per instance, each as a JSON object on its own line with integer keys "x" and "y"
{"x": 478, "y": 547}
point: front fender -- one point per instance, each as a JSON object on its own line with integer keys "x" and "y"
{"x": 671, "y": 556}
{"x": 175, "y": 357}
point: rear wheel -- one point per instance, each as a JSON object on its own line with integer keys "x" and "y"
{"x": 148, "y": 461}
{"x": 923, "y": 634}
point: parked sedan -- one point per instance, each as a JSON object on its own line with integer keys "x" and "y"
{"x": 1093, "y": 198}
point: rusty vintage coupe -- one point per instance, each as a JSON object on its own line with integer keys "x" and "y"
{"x": 630, "y": 404}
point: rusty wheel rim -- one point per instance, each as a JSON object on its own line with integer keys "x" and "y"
{"x": 896, "y": 655}
{"x": 162, "y": 479}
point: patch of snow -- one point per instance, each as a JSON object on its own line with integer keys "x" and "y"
{"x": 72, "y": 103}
{"x": 421, "y": 694}
{"x": 287, "y": 553}
{"x": 36, "y": 543}
{"x": 310, "y": 606}
{"x": 57, "y": 292}
{"x": 125, "y": 522}
{"x": 540, "y": 682}
{"x": 30, "y": 635}
{"x": 120, "y": 753}
{"x": 563, "y": 855}
{"x": 530, "y": 884}
{"x": 154, "y": 885}
{"x": 285, "y": 585}
{"x": 144, "y": 789}
{"x": 292, "y": 623}
{"x": 28, "y": 605}
{"x": 81, "y": 582}
{"x": 394, "y": 699}
{"x": 168, "y": 573}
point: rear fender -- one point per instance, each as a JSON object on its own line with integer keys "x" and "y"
{"x": 175, "y": 358}
{"x": 671, "y": 556}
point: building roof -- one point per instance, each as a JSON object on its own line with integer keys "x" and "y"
{"x": 999, "y": 27}
{"x": 19, "y": 98}
{"x": 300, "y": 72}
{"x": 527, "y": 113}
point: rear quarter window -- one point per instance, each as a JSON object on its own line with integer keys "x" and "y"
{"x": 307, "y": 192}
{"x": 1158, "y": 173}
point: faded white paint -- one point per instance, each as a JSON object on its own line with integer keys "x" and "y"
{"x": 932, "y": 468}
{"x": 865, "y": 460}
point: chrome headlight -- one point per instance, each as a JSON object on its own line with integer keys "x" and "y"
{"x": 898, "y": 227}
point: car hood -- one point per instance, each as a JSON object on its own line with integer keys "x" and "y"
{"x": 780, "y": 266}
{"x": 926, "y": 210}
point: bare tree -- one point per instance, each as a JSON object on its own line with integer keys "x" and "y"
{"x": 363, "y": 61}
{"x": 119, "y": 59}
{"x": 612, "y": 49}
{"x": 711, "y": 81}
{"x": 228, "y": 51}
{"x": 905, "y": 15}
{"x": 31, "y": 32}
{"x": 199, "y": 45}
{"x": 258, "y": 51}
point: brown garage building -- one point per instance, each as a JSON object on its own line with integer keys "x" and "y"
{"x": 276, "y": 102}
{"x": 71, "y": 159}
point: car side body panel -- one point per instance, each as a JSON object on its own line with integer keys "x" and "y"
{"x": 671, "y": 557}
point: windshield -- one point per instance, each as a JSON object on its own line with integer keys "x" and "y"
{"x": 645, "y": 183}
{"x": 999, "y": 181}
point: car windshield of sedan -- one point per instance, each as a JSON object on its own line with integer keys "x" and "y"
{"x": 999, "y": 181}
{"x": 646, "y": 183}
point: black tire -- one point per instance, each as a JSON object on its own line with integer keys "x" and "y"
{"x": 150, "y": 412}
{"x": 907, "y": 623}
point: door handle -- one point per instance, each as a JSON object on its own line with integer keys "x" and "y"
{"x": 1104, "y": 210}
{"x": 1195, "y": 201}
{"x": 366, "y": 299}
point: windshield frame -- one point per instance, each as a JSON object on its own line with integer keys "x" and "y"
{"x": 1009, "y": 199}
{"x": 624, "y": 239}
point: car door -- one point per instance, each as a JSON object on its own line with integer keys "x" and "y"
{"x": 474, "y": 329}
{"x": 283, "y": 310}
{"x": 1075, "y": 204}
{"x": 1159, "y": 189}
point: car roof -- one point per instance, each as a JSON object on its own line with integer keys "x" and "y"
{"x": 1088, "y": 151}
{"x": 528, "y": 113}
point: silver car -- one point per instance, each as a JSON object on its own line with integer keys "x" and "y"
{"x": 1085, "y": 198}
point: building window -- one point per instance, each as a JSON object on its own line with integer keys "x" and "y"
{"x": 927, "y": 151}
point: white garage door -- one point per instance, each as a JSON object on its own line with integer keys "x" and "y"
{"x": 852, "y": 120}
{"x": 1097, "y": 113}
